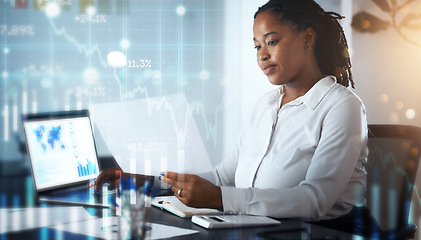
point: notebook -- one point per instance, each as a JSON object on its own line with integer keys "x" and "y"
{"x": 63, "y": 159}
{"x": 173, "y": 205}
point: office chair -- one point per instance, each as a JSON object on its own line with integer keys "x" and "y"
{"x": 394, "y": 154}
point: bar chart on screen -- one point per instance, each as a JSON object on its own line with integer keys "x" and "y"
{"x": 86, "y": 170}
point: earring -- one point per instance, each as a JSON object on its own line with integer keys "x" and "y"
{"x": 309, "y": 47}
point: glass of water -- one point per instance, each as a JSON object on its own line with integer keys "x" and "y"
{"x": 133, "y": 204}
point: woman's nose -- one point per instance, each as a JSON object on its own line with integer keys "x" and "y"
{"x": 263, "y": 54}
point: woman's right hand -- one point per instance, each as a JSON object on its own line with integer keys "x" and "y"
{"x": 111, "y": 176}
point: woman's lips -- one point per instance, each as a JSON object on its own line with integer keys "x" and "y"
{"x": 268, "y": 69}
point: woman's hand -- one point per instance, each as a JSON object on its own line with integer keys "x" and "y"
{"x": 110, "y": 175}
{"x": 193, "y": 190}
{"x": 113, "y": 175}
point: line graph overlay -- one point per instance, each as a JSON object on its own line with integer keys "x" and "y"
{"x": 388, "y": 159}
{"x": 82, "y": 48}
{"x": 196, "y": 107}
{"x": 166, "y": 120}
{"x": 55, "y": 60}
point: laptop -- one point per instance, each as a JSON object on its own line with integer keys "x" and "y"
{"x": 63, "y": 158}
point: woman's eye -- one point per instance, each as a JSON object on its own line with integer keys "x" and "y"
{"x": 271, "y": 43}
{"x": 257, "y": 47}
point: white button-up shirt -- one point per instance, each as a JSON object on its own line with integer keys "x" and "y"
{"x": 305, "y": 159}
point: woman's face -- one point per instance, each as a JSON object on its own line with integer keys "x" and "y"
{"x": 282, "y": 52}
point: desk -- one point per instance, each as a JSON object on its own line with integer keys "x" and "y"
{"x": 162, "y": 217}
{"x": 16, "y": 191}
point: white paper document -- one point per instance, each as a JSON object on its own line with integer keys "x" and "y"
{"x": 152, "y": 135}
{"x": 110, "y": 228}
{"x": 19, "y": 219}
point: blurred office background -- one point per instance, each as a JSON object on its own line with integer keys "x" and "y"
{"x": 68, "y": 54}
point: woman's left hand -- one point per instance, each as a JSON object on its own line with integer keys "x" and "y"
{"x": 193, "y": 190}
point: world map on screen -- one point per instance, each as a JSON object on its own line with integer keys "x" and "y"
{"x": 49, "y": 137}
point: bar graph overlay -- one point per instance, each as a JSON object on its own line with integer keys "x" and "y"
{"x": 86, "y": 170}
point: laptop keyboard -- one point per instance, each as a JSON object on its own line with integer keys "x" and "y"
{"x": 81, "y": 194}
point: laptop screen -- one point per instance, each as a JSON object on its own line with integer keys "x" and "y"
{"x": 61, "y": 148}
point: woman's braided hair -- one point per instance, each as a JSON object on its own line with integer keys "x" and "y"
{"x": 331, "y": 47}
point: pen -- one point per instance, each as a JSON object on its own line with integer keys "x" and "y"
{"x": 155, "y": 192}
{"x": 146, "y": 187}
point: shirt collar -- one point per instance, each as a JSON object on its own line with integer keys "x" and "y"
{"x": 316, "y": 94}
{"x": 312, "y": 98}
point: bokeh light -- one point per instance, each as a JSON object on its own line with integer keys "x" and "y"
{"x": 399, "y": 105}
{"x": 204, "y": 75}
{"x": 148, "y": 73}
{"x": 384, "y": 98}
{"x": 90, "y": 75}
{"x": 116, "y": 59}
{"x": 125, "y": 44}
{"x": 394, "y": 118}
{"x": 181, "y": 10}
{"x": 46, "y": 83}
{"x": 410, "y": 113}
{"x": 157, "y": 74}
{"x": 52, "y": 10}
{"x": 90, "y": 10}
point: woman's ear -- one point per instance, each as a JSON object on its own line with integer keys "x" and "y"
{"x": 310, "y": 37}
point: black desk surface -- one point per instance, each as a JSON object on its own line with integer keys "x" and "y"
{"x": 289, "y": 229}
{"x": 16, "y": 191}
